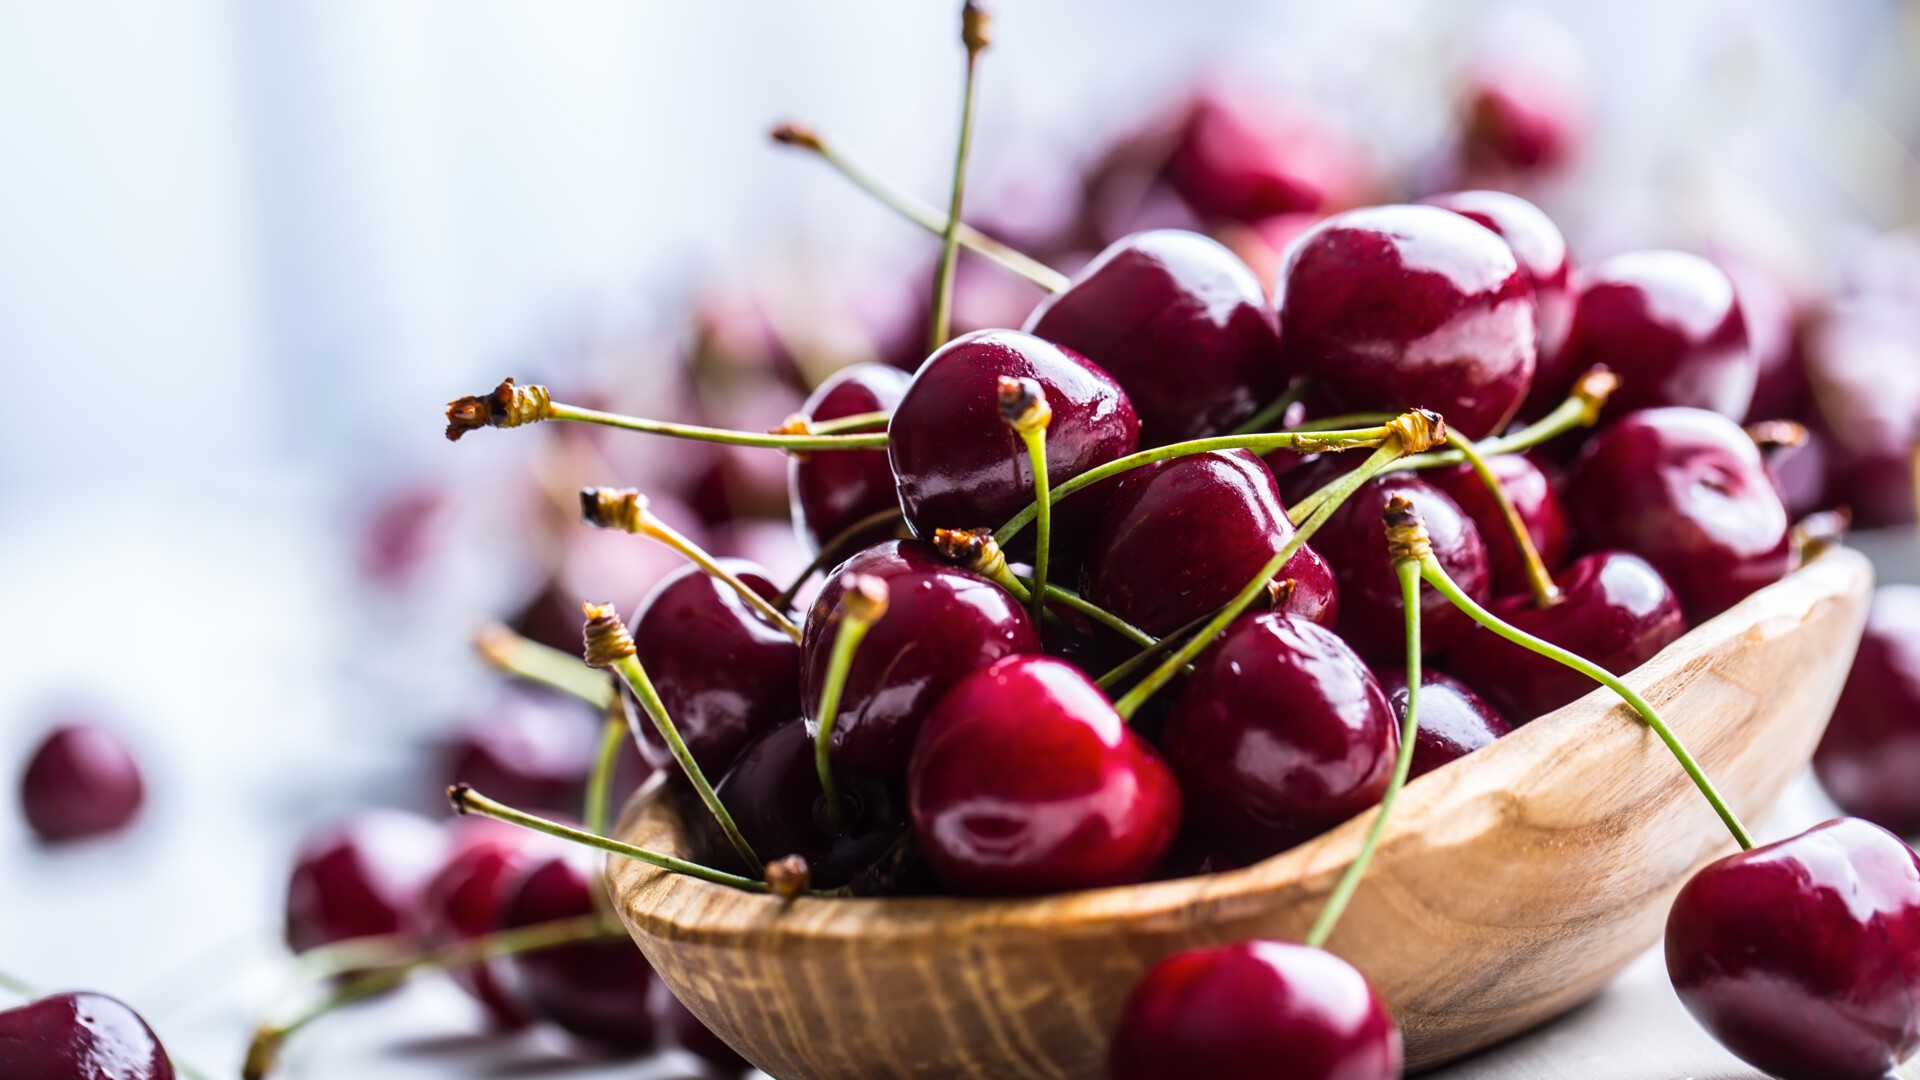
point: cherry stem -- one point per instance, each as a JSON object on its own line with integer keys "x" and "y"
{"x": 1274, "y": 411}
{"x": 850, "y": 422}
{"x": 1024, "y": 408}
{"x": 1580, "y": 409}
{"x": 627, "y": 509}
{"x": 613, "y": 735}
{"x": 524, "y": 658}
{"x": 1408, "y": 570}
{"x": 830, "y": 551}
{"x": 510, "y": 405}
{"x": 1539, "y": 581}
{"x": 917, "y": 212}
{"x": 973, "y": 33}
{"x": 635, "y": 676}
{"x": 863, "y": 604}
{"x": 1436, "y": 575}
{"x": 1304, "y": 442}
{"x": 468, "y": 801}
{"x": 1067, "y": 598}
{"x": 1148, "y": 654}
{"x": 17, "y": 986}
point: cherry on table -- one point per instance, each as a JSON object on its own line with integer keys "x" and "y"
{"x": 80, "y": 782}
{"x": 831, "y": 491}
{"x": 79, "y": 1035}
{"x": 1454, "y": 721}
{"x": 1025, "y": 781}
{"x": 1538, "y": 247}
{"x": 599, "y": 991}
{"x": 467, "y": 898}
{"x": 1531, "y": 491}
{"x": 362, "y": 876}
{"x": 1870, "y": 756}
{"x": 530, "y": 750}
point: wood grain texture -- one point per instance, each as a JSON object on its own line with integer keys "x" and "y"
{"x": 1509, "y": 886}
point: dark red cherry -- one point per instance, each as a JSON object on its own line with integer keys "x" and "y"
{"x": 1533, "y": 497}
{"x": 1523, "y": 102}
{"x": 831, "y": 490}
{"x": 957, "y": 463}
{"x": 1772, "y": 314}
{"x": 1803, "y": 956}
{"x": 1396, "y": 307}
{"x": 466, "y": 899}
{"x": 696, "y": 1038}
{"x": 1863, "y": 357}
{"x": 1870, "y": 756}
{"x": 1025, "y": 781}
{"x": 941, "y": 623}
{"x": 1179, "y": 538}
{"x": 600, "y": 991}
{"x": 80, "y": 782}
{"x": 1181, "y": 323}
{"x": 362, "y": 876}
{"x": 1614, "y": 610}
{"x": 1254, "y": 1011}
{"x": 531, "y": 751}
{"x": 1539, "y": 248}
{"x": 1454, "y": 721}
{"x": 79, "y": 1036}
{"x": 724, "y": 671}
{"x": 1686, "y": 490}
{"x": 1668, "y": 323}
{"x": 1281, "y": 734}
{"x": 1232, "y": 159}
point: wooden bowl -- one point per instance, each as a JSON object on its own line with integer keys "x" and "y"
{"x": 1508, "y": 887}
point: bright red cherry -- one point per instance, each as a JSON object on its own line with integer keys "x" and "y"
{"x": 531, "y": 751}
{"x": 1232, "y": 160}
{"x": 466, "y": 899}
{"x": 79, "y": 1036}
{"x": 1397, "y": 307}
{"x": 1179, "y": 538}
{"x": 830, "y": 491}
{"x": 724, "y": 671}
{"x": 1025, "y": 781}
{"x": 941, "y": 624}
{"x": 1686, "y": 490}
{"x": 80, "y": 782}
{"x": 599, "y": 991}
{"x": 1803, "y": 956}
{"x": 1539, "y": 248}
{"x": 1181, "y": 323}
{"x": 1281, "y": 734}
{"x": 696, "y": 1038}
{"x": 362, "y": 876}
{"x": 1870, "y": 755}
{"x": 1533, "y": 497}
{"x": 959, "y": 466}
{"x": 1253, "y": 1011}
{"x": 1668, "y": 323}
{"x": 1454, "y": 721}
{"x": 1614, "y": 609}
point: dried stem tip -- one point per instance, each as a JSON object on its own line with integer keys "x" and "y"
{"x": 457, "y": 796}
{"x": 788, "y": 877}
{"x": 1406, "y": 531}
{"x": 789, "y": 133}
{"x": 974, "y": 549}
{"x": 1419, "y": 430}
{"x": 508, "y": 406}
{"x": 1280, "y": 592}
{"x": 866, "y": 598}
{"x": 614, "y": 508}
{"x": 1023, "y": 405}
{"x": 1593, "y": 389}
{"x": 976, "y": 27}
{"x": 1819, "y": 531}
{"x": 1777, "y": 434}
{"x": 607, "y": 639}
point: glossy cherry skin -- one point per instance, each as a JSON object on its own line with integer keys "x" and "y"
{"x": 830, "y": 491}
{"x": 530, "y": 751}
{"x": 1253, "y": 1011}
{"x": 1534, "y": 499}
{"x": 1454, "y": 721}
{"x": 80, "y": 782}
{"x": 1280, "y": 734}
{"x": 1025, "y": 782}
{"x": 1870, "y": 755}
{"x": 959, "y": 466}
{"x": 599, "y": 991}
{"x": 1181, "y": 323}
{"x": 1539, "y": 248}
{"x": 1686, "y": 490}
{"x": 1803, "y": 956}
{"x": 1396, "y": 307}
{"x": 1179, "y": 538}
{"x": 467, "y": 898}
{"x": 1232, "y": 160}
{"x": 79, "y": 1036}
{"x": 724, "y": 671}
{"x": 1614, "y": 610}
{"x": 941, "y": 623}
{"x": 696, "y": 1038}
{"x": 1863, "y": 357}
{"x": 1669, "y": 324}
{"x": 362, "y": 876}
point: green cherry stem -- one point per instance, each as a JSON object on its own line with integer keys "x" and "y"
{"x": 1067, "y": 598}
{"x": 974, "y": 24}
{"x": 830, "y": 553}
{"x": 863, "y": 604}
{"x": 1024, "y": 408}
{"x": 851, "y": 422}
{"x": 465, "y": 800}
{"x": 978, "y": 551}
{"x": 1274, "y": 411}
{"x": 17, "y": 986}
{"x": 511, "y": 405}
{"x": 524, "y": 658}
{"x": 1149, "y": 654}
{"x": 613, "y": 735}
{"x": 1539, "y": 581}
{"x": 610, "y": 646}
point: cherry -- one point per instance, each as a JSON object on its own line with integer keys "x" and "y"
{"x": 1668, "y": 323}
{"x": 1614, "y": 609}
{"x": 1261, "y": 777}
{"x": 1230, "y": 160}
{"x": 1863, "y": 357}
{"x": 1179, "y": 538}
{"x": 1181, "y": 323}
{"x": 465, "y": 901}
{"x": 79, "y": 1036}
{"x": 1454, "y": 721}
{"x": 1803, "y": 956}
{"x": 695, "y": 1037}
{"x": 80, "y": 782}
{"x": 599, "y": 991}
{"x": 1523, "y": 102}
{"x": 1533, "y": 497}
{"x": 723, "y": 669}
{"x": 1780, "y": 389}
{"x": 1540, "y": 250}
{"x": 531, "y": 751}
{"x": 362, "y": 876}
{"x": 1025, "y": 781}
{"x": 831, "y": 491}
{"x": 1871, "y": 752}
{"x": 1251, "y": 1011}
{"x": 1396, "y": 307}
{"x": 957, "y": 463}
{"x": 1686, "y": 490}
{"x": 942, "y": 623}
